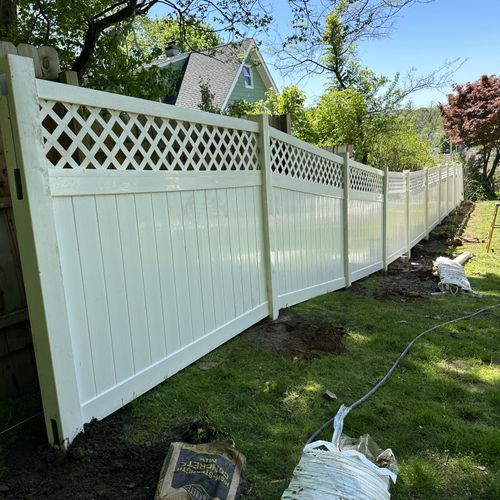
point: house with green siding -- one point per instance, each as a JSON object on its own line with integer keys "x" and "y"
{"x": 232, "y": 72}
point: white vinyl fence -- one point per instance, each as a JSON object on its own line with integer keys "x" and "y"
{"x": 150, "y": 235}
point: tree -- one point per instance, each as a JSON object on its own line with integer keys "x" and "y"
{"x": 326, "y": 40}
{"x": 151, "y": 36}
{"x": 400, "y": 148}
{"x": 341, "y": 117}
{"x": 83, "y": 30}
{"x": 207, "y": 99}
{"x": 8, "y": 16}
{"x": 472, "y": 118}
{"x": 291, "y": 101}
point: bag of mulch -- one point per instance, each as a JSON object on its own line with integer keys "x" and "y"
{"x": 211, "y": 471}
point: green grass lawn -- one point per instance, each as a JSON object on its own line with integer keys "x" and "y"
{"x": 439, "y": 412}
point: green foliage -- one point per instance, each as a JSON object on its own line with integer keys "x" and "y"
{"x": 242, "y": 107}
{"x": 474, "y": 186}
{"x": 400, "y": 148}
{"x": 59, "y": 23}
{"x": 153, "y": 35}
{"x": 207, "y": 103}
{"x": 117, "y": 63}
{"x": 291, "y": 101}
{"x": 428, "y": 125}
{"x": 340, "y": 118}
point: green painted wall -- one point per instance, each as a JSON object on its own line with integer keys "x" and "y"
{"x": 241, "y": 92}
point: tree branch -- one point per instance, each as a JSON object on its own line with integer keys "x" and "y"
{"x": 127, "y": 9}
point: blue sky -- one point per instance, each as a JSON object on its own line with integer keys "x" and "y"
{"x": 424, "y": 37}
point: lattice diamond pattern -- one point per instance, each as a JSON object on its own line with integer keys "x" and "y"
{"x": 85, "y": 137}
{"x": 301, "y": 164}
{"x": 362, "y": 180}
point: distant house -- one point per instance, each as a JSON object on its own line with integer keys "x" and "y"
{"x": 231, "y": 71}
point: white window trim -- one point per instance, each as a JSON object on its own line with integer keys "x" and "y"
{"x": 250, "y": 69}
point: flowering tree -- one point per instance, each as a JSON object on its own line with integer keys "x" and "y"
{"x": 472, "y": 118}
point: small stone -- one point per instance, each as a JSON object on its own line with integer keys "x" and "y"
{"x": 481, "y": 467}
{"x": 331, "y": 396}
{"x": 207, "y": 365}
{"x": 131, "y": 486}
{"x": 4, "y": 488}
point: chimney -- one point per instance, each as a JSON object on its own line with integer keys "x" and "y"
{"x": 171, "y": 49}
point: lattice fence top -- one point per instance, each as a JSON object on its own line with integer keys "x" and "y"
{"x": 293, "y": 161}
{"x": 433, "y": 175}
{"x": 397, "y": 182}
{"x": 366, "y": 181}
{"x": 84, "y": 137}
{"x": 417, "y": 180}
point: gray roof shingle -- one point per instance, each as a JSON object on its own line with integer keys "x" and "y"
{"x": 216, "y": 67}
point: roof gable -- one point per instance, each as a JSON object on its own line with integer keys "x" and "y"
{"x": 219, "y": 68}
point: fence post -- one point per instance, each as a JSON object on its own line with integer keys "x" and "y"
{"x": 407, "y": 184}
{"x": 440, "y": 193}
{"x": 268, "y": 213}
{"x": 385, "y": 209}
{"x": 36, "y": 232}
{"x": 346, "y": 179}
{"x": 447, "y": 188}
{"x": 426, "y": 203}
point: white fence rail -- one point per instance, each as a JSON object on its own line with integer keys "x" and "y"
{"x": 150, "y": 234}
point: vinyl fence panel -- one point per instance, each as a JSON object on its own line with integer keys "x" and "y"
{"x": 308, "y": 196}
{"x": 417, "y": 206}
{"x": 433, "y": 197}
{"x": 150, "y": 235}
{"x": 365, "y": 220}
{"x": 396, "y": 216}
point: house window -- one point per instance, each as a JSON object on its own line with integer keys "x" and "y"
{"x": 248, "y": 77}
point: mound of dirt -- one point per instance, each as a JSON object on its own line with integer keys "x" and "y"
{"x": 403, "y": 282}
{"x": 99, "y": 464}
{"x": 414, "y": 279}
{"x": 296, "y": 337}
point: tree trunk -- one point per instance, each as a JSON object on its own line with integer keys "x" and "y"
{"x": 491, "y": 173}
{"x": 8, "y": 15}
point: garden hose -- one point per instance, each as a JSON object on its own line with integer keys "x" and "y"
{"x": 338, "y": 420}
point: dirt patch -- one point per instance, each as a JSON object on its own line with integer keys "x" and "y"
{"x": 296, "y": 337}
{"x": 411, "y": 280}
{"x": 99, "y": 464}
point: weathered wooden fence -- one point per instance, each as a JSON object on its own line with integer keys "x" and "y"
{"x": 150, "y": 234}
